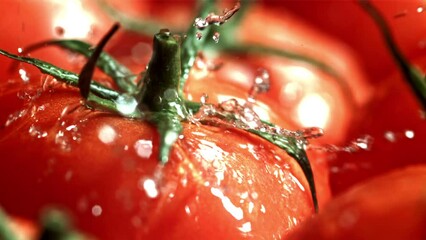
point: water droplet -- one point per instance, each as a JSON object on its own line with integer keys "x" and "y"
{"x": 364, "y": 142}
{"x": 261, "y": 84}
{"x": 204, "y": 98}
{"x": 149, "y": 186}
{"x": 420, "y": 9}
{"x": 165, "y": 31}
{"x": 198, "y": 35}
{"x": 106, "y": 134}
{"x": 20, "y": 50}
{"x": 245, "y": 228}
{"x": 96, "y": 210}
{"x": 390, "y": 136}
{"x": 409, "y": 134}
{"x": 15, "y": 116}
{"x": 24, "y": 75}
{"x": 29, "y": 94}
{"x": 215, "y": 19}
{"x": 170, "y": 95}
{"x": 62, "y": 141}
{"x": 143, "y": 148}
{"x": 35, "y": 131}
{"x": 126, "y": 104}
{"x": 59, "y": 31}
{"x": 216, "y": 37}
{"x": 312, "y": 132}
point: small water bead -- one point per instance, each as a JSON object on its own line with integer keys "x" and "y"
{"x": 143, "y": 148}
{"x": 15, "y": 116}
{"x": 390, "y": 136}
{"x": 36, "y": 132}
{"x": 204, "y": 98}
{"x": 261, "y": 84}
{"x": 409, "y": 134}
{"x": 24, "y": 75}
{"x": 126, "y": 104}
{"x": 364, "y": 142}
{"x": 165, "y": 31}
{"x": 149, "y": 186}
{"x": 420, "y": 9}
{"x": 198, "y": 35}
{"x": 96, "y": 210}
{"x": 107, "y": 134}
{"x": 59, "y": 31}
{"x": 216, "y": 37}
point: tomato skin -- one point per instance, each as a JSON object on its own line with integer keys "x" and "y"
{"x": 390, "y": 206}
{"x": 213, "y": 173}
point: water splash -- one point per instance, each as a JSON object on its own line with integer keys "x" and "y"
{"x": 215, "y": 19}
{"x": 15, "y": 116}
{"x": 261, "y": 85}
{"x": 364, "y": 143}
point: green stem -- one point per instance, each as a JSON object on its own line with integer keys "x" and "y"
{"x": 414, "y": 77}
{"x": 118, "y": 72}
{"x": 160, "y": 96}
{"x": 63, "y": 75}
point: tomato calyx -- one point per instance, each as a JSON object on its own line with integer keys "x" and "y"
{"x": 413, "y": 76}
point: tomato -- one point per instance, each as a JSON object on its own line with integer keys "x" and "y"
{"x": 347, "y": 21}
{"x": 103, "y": 169}
{"x": 393, "y": 117}
{"x": 391, "y": 206}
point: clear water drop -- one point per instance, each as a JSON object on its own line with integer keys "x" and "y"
{"x": 15, "y": 116}
{"x": 24, "y": 75}
{"x": 97, "y": 210}
{"x": 261, "y": 84}
{"x": 390, "y": 136}
{"x": 143, "y": 148}
{"x": 198, "y": 35}
{"x": 216, "y": 37}
{"x": 409, "y": 134}
{"x": 36, "y": 132}
{"x": 149, "y": 186}
{"x": 204, "y": 98}
{"x": 126, "y": 104}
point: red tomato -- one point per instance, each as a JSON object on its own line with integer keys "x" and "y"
{"x": 391, "y": 206}
{"x": 347, "y": 21}
{"x": 396, "y": 123}
{"x": 103, "y": 169}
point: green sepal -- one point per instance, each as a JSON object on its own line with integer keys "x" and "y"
{"x": 413, "y": 76}
{"x": 121, "y": 75}
{"x": 63, "y": 75}
{"x": 295, "y": 148}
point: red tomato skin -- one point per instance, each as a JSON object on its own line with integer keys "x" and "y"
{"x": 390, "y": 206}
{"x": 218, "y": 183}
